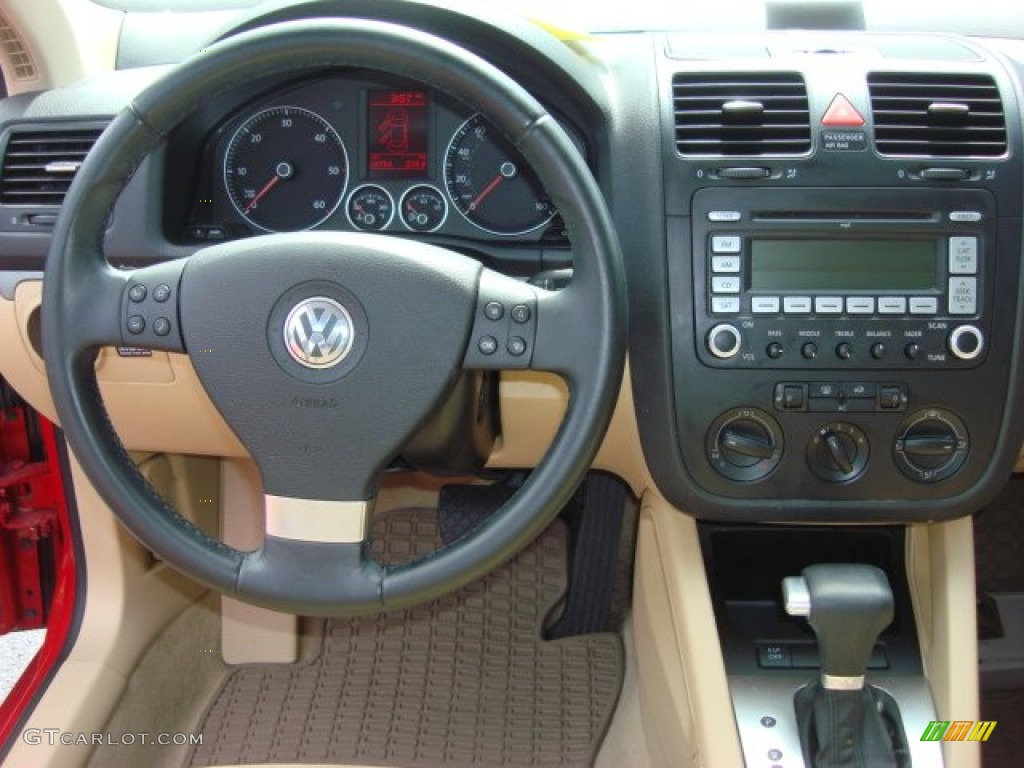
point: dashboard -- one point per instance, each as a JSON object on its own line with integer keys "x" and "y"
{"x": 821, "y": 234}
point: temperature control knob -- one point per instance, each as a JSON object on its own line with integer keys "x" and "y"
{"x": 838, "y": 452}
{"x": 966, "y": 342}
{"x": 744, "y": 444}
{"x": 724, "y": 341}
{"x": 931, "y": 445}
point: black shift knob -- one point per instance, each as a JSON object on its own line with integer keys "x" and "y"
{"x": 847, "y": 606}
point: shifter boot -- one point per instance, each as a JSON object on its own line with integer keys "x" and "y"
{"x": 850, "y": 729}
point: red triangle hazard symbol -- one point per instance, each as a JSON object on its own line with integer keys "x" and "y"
{"x": 841, "y": 114}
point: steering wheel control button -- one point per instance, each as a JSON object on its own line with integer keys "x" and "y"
{"x": 137, "y": 293}
{"x": 494, "y": 310}
{"x": 966, "y": 342}
{"x": 136, "y": 324}
{"x": 488, "y": 345}
{"x": 517, "y": 346}
{"x": 744, "y": 444}
{"x": 724, "y": 341}
{"x": 162, "y": 293}
{"x": 161, "y": 326}
{"x": 521, "y": 314}
{"x": 931, "y": 445}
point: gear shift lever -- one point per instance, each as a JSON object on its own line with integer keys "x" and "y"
{"x": 844, "y": 723}
{"x": 847, "y": 606}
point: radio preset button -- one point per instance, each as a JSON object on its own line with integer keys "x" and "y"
{"x": 892, "y": 305}
{"x": 963, "y": 295}
{"x": 963, "y": 255}
{"x": 729, "y": 264}
{"x": 809, "y": 350}
{"x": 731, "y": 215}
{"x": 924, "y": 305}
{"x": 844, "y": 351}
{"x": 725, "y": 305}
{"x": 965, "y": 216}
{"x": 725, "y": 284}
{"x": 765, "y": 305}
{"x": 796, "y": 305}
{"x": 828, "y": 305}
{"x": 725, "y": 244}
{"x": 860, "y": 305}
{"x": 724, "y": 341}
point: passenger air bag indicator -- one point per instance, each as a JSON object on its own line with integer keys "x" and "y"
{"x": 844, "y": 141}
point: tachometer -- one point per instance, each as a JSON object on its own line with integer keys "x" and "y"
{"x": 490, "y": 183}
{"x": 286, "y": 169}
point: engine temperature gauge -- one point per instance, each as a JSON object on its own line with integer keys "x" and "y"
{"x": 423, "y": 209}
{"x": 370, "y": 208}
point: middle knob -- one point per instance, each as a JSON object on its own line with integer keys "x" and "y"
{"x": 838, "y": 452}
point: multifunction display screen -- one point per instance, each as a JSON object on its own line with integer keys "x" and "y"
{"x": 396, "y": 134}
{"x": 843, "y": 265}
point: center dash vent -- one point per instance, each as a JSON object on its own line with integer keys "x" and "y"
{"x": 739, "y": 113}
{"x": 39, "y": 164}
{"x": 937, "y": 115}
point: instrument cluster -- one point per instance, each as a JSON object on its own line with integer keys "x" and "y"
{"x": 363, "y": 153}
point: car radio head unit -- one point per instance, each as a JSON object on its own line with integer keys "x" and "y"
{"x": 797, "y": 280}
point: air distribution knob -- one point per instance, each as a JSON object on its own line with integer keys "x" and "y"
{"x": 838, "y": 452}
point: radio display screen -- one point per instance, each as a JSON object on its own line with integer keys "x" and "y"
{"x": 843, "y": 265}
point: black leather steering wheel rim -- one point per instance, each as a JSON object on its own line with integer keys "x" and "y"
{"x": 588, "y": 351}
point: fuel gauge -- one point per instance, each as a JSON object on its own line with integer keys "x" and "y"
{"x": 370, "y": 208}
{"x": 423, "y": 208}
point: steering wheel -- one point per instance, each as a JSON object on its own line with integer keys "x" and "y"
{"x": 324, "y": 351}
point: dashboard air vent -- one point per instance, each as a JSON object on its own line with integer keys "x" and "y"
{"x": 739, "y": 113}
{"x": 39, "y": 164}
{"x": 937, "y": 115}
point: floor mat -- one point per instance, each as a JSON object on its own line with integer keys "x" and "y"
{"x": 464, "y": 680}
{"x": 1006, "y": 744}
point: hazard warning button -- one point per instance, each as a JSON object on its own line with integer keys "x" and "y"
{"x": 841, "y": 114}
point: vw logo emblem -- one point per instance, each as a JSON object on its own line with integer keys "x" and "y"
{"x": 318, "y": 333}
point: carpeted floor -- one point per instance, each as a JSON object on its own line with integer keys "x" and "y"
{"x": 464, "y": 680}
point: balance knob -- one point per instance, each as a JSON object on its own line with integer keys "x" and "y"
{"x": 966, "y": 342}
{"x": 724, "y": 341}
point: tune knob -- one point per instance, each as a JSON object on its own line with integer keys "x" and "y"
{"x": 931, "y": 445}
{"x": 724, "y": 341}
{"x": 966, "y": 342}
{"x": 744, "y": 444}
{"x": 838, "y": 452}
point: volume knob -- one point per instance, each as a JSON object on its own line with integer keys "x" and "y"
{"x": 966, "y": 342}
{"x": 724, "y": 341}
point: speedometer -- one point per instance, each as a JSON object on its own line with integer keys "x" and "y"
{"x": 285, "y": 169}
{"x": 490, "y": 183}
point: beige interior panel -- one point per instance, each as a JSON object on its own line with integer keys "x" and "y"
{"x": 66, "y": 54}
{"x": 684, "y": 691}
{"x": 940, "y": 567}
{"x": 130, "y": 599}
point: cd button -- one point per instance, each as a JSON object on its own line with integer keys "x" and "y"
{"x": 828, "y": 305}
{"x": 963, "y": 295}
{"x": 725, "y": 244}
{"x": 892, "y": 305}
{"x": 963, "y": 255}
{"x": 794, "y": 305}
{"x": 765, "y": 305}
{"x": 924, "y": 305}
{"x": 728, "y": 264}
{"x": 725, "y": 284}
{"x": 860, "y": 305}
